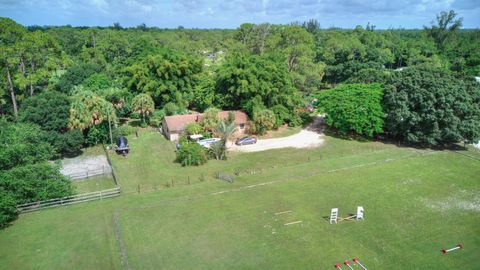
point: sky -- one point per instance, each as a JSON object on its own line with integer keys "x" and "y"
{"x": 230, "y": 14}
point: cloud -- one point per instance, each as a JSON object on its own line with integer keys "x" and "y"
{"x": 230, "y": 14}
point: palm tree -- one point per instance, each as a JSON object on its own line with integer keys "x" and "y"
{"x": 217, "y": 150}
{"x": 225, "y": 131}
{"x": 143, "y": 104}
{"x": 88, "y": 109}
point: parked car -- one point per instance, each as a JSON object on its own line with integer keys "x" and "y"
{"x": 207, "y": 142}
{"x": 246, "y": 140}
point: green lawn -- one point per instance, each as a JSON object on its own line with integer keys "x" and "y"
{"x": 94, "y": 184}
{"x": 416, "y": 203}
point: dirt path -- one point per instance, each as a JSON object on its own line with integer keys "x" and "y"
{"x": 311, "y": 136}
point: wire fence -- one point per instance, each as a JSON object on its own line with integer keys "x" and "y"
{"x": 89, "y": 173}
{"x": 85, "y": 197}
{"x": 112, "y": 170}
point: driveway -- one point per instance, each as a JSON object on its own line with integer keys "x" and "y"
{"x": 311, "y": 136}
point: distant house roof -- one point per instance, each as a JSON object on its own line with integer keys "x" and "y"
{"x": 240, "y": 117}
{"x": 176, "y": 123}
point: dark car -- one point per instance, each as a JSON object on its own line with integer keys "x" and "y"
{"x": 246, "y": 140}
{"x": 122, "y": 146}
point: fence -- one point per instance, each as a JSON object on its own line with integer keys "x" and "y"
{"x": 114, "y": 175}
{"x": 89, "y": 173}
{"x": 85, "y": 197}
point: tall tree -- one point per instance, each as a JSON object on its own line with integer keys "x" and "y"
{"x": 143, "y": 104}
{"x": 431, "y": 107}
{"x": 167, "y": 76}
{"x": 446, "y": 24}
{"x": 88, "y": 109}
{"x": 11, "y": 34}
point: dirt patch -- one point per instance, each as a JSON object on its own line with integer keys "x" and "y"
{"x": 310, "y": 137}
{"x": 85, "y": 164}
{"x": 463, "y": 200}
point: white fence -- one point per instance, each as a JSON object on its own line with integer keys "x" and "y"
{"x": 85, "y": 197}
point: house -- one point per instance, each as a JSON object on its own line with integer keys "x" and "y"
{"x": 174, "y": 125}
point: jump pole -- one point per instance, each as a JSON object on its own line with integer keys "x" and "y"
{"x": 347, "y": 263}
{"x": 358, "y": 262}
{"x": 459, "y": 246}
{"x": 337, "y": 265}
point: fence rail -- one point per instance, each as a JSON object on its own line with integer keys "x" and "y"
{"x": 90, "y": 173}
{"x": 85, "y": 197}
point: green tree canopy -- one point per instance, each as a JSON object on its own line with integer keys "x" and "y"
{"x": 88, "y": 109}
{"x": 431, "y": 107}
{"x": 354, "y": 108}
{"x": 244, "y": 77}
{"x": 143, "y": 104}
{"x": 167, "y": 76}
{"x": 49, "y": 110}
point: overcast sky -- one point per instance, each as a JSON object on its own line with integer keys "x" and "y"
{"x": 230, "y": 14}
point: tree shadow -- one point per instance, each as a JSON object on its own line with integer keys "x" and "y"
{"x": 72, "y": 154}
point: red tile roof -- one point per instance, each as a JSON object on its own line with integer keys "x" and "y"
{"x": 177, "y": 123}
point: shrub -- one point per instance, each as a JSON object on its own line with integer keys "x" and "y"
{"x": 135, "y": 115}
{"x": 191, "y": 153}
{"x": 98, "y": 134}
{"x": 124, "y": 130}
{"x": 193, "y": 128}
{"x": 8, "y": 210}
{"x": 210, "y": 119}
{"x": 170, "y": 108}
{"x": 41, "y": 181}
{"x": 22, "y": 144}
{"x": 282, "y": 115}
{"x": 263, "y": 120}
{"x": 156, "y": 118}
{"x": 68, "y": 144}
{"x": 354, "y": 108}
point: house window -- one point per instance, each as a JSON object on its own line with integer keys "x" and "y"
{"x": 242, "y": 126}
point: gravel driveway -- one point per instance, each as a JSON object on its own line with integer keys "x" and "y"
{"x": 311, "y": 136}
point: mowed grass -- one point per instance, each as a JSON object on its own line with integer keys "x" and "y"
{"x": 92, "y": 184}
{"x": 416, "y": 203}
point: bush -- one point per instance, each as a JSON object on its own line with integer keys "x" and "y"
{"x": 124, "y": 130}
{"x": 156, "y": 118}
{"x": 135, "y": 115}
{"x": 194, "y": 128}
{"x": 191, "y": 153}
{"x": 282, "y": 115}
{"x": 8, "y": 210}
{"x": 354, "y": 107}
{"x": 263, "y": 120}
{"x": 41, "y": 181}
{"x": 68, "y": 144}
{"x": 170, "y": 108}
{"x": 98, "y": 134}
{"x": 22, "y": 144}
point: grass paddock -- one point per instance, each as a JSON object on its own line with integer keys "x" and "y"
{"x": 416, "y": 203}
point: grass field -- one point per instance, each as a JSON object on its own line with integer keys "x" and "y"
{"x": 416, "y": 203}
{"x": 94, "y": 184}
